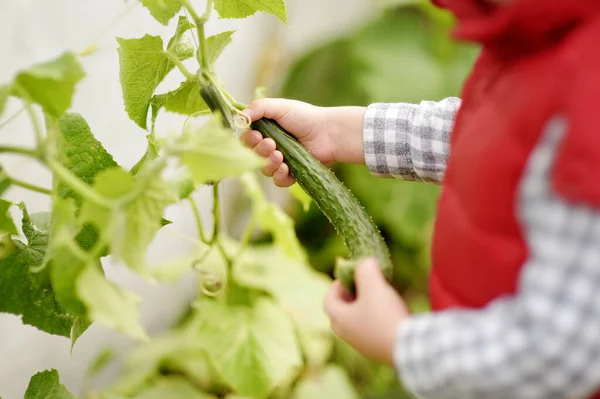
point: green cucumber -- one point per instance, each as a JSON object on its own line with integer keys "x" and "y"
{"x": 336, "y": 201}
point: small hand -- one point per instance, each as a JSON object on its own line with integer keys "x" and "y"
{"x": 370, "y": 321}
{"x": 305, "y": 121}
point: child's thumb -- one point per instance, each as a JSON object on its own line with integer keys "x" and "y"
{"x": 368, "y": 276}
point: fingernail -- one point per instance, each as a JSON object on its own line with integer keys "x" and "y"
{"x": 273, "y": 158}
{"x": 248, "y": 112}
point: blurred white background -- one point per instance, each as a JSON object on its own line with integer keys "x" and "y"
{"x": 37, "y": 30}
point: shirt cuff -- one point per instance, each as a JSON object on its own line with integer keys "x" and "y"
{"x": 386, "y": 140}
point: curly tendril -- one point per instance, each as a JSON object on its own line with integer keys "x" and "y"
{"x": 241, "y": 120}
{"x": 212, "y": 283}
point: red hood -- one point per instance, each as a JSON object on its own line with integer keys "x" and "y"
{"x": 519, "y": 24}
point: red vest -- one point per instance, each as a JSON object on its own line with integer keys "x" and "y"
{"x": 539, "y": 58}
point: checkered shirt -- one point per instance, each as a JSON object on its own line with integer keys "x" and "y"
{"x": 544, "y": 341}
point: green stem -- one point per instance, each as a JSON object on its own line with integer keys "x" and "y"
{"x": 234, "y": 103}
{"x": 202, "y": 54}
{"x": 29, "y": 186}
{"x": 198, "y": 220}
{"x": 87, "y": 192}
{"x": 175, "y": 60}
{"x": 12, "y": 117}
{"x": 37, "y": 128}
{"x": 216, "y": 214}
{"x": 19, "y": 150}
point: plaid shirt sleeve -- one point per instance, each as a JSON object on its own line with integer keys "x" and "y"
{"x": 409, "y": 141}
{"x": 543, "y": 342}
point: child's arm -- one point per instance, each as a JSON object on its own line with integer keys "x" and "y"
{"x": 541, "y": 343}
{"x": 409, "y": 141}
{"x": 405, "y": 141}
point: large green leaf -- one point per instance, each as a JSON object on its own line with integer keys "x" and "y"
{"x": 6, "y": 223}
{"x": 82, "y": 153}
{"x": 108, "y": 304}
{"x": 50, "y": 84}
{"x": 297, "y": 288}
{"x": 186, "y": 98}
{"x": 26, "y": 294}
{"x": 246, "y": 8}
{"x": 143, "y": 65}
{"x": 130, "y": 228}
{"x": 46, "y": 385}
{"x": 332, "y": 382}
{"x": 65, "y": 263}
{"x": 216, "y": 44}
{"x": 254, "y": 349}
{"x": 162, "y": 10}
{"x": 85, "y": 156}
{"x": 272, "y": 218}
{"x": 212, "y": 153}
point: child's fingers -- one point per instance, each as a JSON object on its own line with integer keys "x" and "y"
{"x": 282, "y": 177}
{"x": 335, "y": 300}
{"x": 251, "y": 137}
{"x": 274, "y": 162}
{"x": 265, "y": 147}
{"x": 272, "y": 108}
{"x": 368, "y": 276}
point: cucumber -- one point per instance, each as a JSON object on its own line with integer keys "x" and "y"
{"x": 336, "y": 201}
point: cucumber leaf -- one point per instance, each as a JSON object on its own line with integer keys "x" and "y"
{"x": 23, "y": 293}
{"x": 129, "y": 229}
{"x": 109, "y": 304}
{"x": 162, "y": 10}
{"x": 246, "y": 8}
{"x": 212, "y": 153}
{"x": 50, "y": 84}
{"x": 253, "y": 349}
{"x": 6, "y": 223}
{"x": 46, "y": 385}
{"x": 273, "y": 219}
{"x": 143, "y": 66}
{"x": 216, "y": 44}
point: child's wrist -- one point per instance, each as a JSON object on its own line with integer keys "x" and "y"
{"x": 345, "y": 128}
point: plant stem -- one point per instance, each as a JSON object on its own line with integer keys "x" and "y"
{"x": 19, "y": 150}
{"x": 202, "y": 54}
{"x": 175, "y": 60}
{"x": 234, "y": 103}
{"x": 68, "y": 178}
{"x": 12, "y": 117}
{"x": 37, "y": 129}
{"x": 29, "y": 186}
{"x": 216, "y": 214}
{"x": 198, "y": 220}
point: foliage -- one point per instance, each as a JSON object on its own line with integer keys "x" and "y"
{"x": 257, "y": 329}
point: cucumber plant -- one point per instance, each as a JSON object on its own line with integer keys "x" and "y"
{"x": 248, "y": 333}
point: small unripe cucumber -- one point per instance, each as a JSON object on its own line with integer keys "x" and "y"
{"x": 336, "y": 201}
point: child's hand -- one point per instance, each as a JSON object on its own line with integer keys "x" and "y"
{"x": 319, "y": 129}
{"x": 369, "y": 323}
